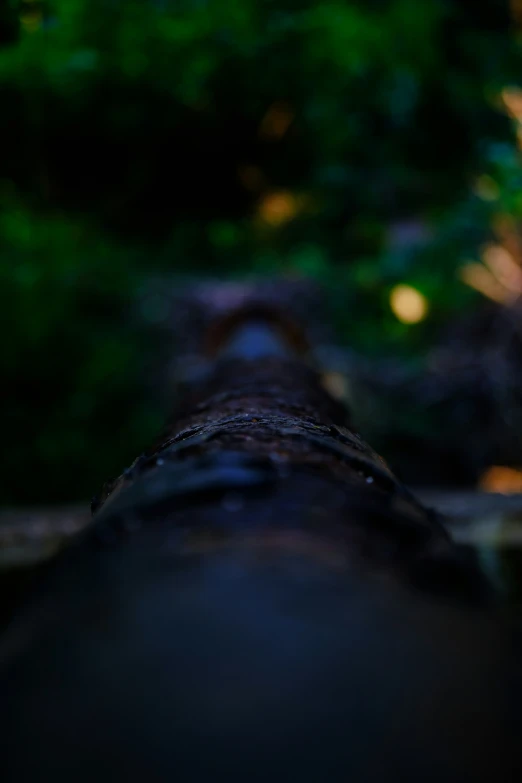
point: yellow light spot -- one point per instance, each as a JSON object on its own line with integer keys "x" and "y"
{"x": 512, "y": 98}
{"x": 500, "y": 478}
{"x": 276, "y": 121}
{"x": 481, "y": 279}
{"x": 408, "y": 304}
{"x": 278, "y": 207}
{"x": 503, "y": 266}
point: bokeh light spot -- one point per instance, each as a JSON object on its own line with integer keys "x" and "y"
{"x": 278, "y": 207}
{"x": 512, "y": 98}
{"x": 481, "y": 279}
{"x": 500, "y": 478}
{"x": 408, "y": 304}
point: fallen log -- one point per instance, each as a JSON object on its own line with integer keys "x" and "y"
{"x": 259, "y": 597}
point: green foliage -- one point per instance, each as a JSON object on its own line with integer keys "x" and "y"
{"x": 230, "y": 136}
{"x": 70, "y": 358}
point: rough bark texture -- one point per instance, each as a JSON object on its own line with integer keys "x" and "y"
{"x": 258, "y": 597}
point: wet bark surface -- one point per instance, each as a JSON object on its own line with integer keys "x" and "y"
{"x": 258, "y": 596}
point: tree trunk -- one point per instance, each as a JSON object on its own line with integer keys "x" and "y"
{"x": 258, "y": 597}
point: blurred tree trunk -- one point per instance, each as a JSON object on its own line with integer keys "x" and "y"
{"x": 258, "y": 594}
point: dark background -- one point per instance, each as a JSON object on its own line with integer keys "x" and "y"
{"x": 368, "y": 144}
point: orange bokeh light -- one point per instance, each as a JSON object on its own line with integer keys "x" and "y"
{"x": 278, "y": 207}
{"x": 500, "y": 478}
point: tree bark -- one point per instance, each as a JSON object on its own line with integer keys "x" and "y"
{"x": 259, "y": 597}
